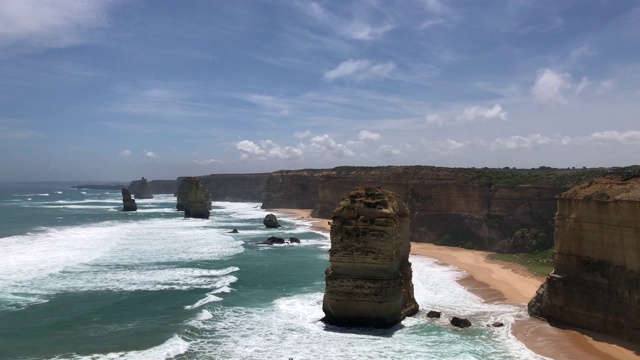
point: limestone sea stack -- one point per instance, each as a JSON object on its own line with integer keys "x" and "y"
{"x": 182, "y": 193}
{"x": 143, "y": 191}
{"x": 194, "y": 198}
{"x": 368, "y": 282}
{"x": 595, "y": 283}
{"x": 128, "y": 204}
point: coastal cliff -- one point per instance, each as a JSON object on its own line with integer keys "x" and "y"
{"x": 473, "y": 208}
{"x": 595, "y": 283}
{"x": 155, "y": 186}
{"x": 369, "y": 281}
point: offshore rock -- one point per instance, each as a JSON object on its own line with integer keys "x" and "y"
{"x": 460, "y": 322}
{"x": 143, "y": 191}
{"x": 273, "y": 240}
{"x": 195, "y": 200}
{"x": 369, "y": 281}
{"x": 271, "y": 221}
{"x": 127, "y": 202}
{"x": 595, "y": 283}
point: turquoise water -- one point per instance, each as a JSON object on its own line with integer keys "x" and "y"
{"x": 80, "y": 279}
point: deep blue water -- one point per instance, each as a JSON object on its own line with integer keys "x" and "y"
{"x": 80, "y": 279}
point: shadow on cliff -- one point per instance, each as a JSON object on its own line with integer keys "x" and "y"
{"x": 369, "y": 331}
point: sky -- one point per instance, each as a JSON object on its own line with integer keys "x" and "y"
{"x": 117, "y": 90}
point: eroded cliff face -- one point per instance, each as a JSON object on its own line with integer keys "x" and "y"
{"x": 595, "y": 283}
{"x": 447, "y": 206}
{"x": 143, "y": 191}
{"x": 369, "y": 281}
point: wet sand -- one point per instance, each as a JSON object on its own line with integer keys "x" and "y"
{"x": 496, "y": 281}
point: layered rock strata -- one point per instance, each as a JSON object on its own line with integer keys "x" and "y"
{"x": 595, "y": 283}
{"x": 475, "y": 208}
{"x": 128, "y": 204}
{"x": 193, "y": 198}
{"x": 143, "y": 191}
{"x": 369, "y": 281}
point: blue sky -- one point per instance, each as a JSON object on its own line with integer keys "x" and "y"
{"x": 116, "y": 90}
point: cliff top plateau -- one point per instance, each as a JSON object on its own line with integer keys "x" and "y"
{"x": 609, "y": 188}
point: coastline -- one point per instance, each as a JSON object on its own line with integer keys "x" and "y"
{"x": 496, "y": 281}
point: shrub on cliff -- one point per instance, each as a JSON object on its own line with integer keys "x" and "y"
{"x": 524, "y": 241}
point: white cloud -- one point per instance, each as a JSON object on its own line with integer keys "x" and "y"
{"x": 125, "y": 152}
{"x": 206, "y": 161}
{"x": 469, "y": 114}
{"x": 435, "y": 6}
{"x": 516, "y": 142}
{"x": 627, "y": 137}
{"x": 550, "y": 86}
{"x": 368, "y": 135}
{"x": 33, "y": 25}
{"x": 447, "y": 147}
{"x": 519, "y": 142}
{"x": 249, "y": 147}
{"x": 150, "y": 154}
{"x": 360, "y": 70}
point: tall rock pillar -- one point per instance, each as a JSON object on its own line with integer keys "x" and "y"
{"x": 128, "y": 204}
{"x": 193, "y": 198}
{"x": 369, "y": 281}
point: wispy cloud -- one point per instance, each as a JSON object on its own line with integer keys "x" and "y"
{"x": 353, "y": 27}
{"x": 32, "y": 25}
{"x": 125, "y": 152}
{"x": 164, "y": 100}
{"x": 205, "y": 162}
{"x": 360, "y": 70}
{"x": 18, "y": 130}
{"x": 469, "y": 114}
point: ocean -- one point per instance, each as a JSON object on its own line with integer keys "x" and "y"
{"x": 80, "y": 279}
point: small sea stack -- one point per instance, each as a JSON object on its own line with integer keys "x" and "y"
{"x": 128, "y": 204}
{"x": 271, "y": 221}
{"x": 143, "y": 191}
{"x": 194, "y": 199}
{"x": 369, "y": 280}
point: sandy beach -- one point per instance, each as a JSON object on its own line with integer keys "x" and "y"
{"x": 496, "y": 281}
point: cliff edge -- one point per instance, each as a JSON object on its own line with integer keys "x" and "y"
{"x": 595, "y": 283}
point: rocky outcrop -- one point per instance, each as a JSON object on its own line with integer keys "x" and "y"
{"x": 473, "y": 208}
{"x": 234, "y": 187}
{"x": 460, "y": 322}
{"x": 595, "y": 283}
{"x": 143, "y": 191}
{"x": 193, "y": 198}
{"x": 271, "y": 221}
{"x": 369, "y": 281}
{"x": 128, "y": 204}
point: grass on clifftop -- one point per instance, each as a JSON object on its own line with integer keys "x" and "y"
{"x": 540, "y": 264}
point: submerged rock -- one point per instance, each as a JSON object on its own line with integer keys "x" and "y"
{"x": 194, "y": 198}
{"x": 127, "y": 202}
{"x": 369, "y": 282}
{"x": 294, "y": 240}
{"x": 434, "y": 314}
{"x": 271, "y": 221}
{"x": 273, "y": 240}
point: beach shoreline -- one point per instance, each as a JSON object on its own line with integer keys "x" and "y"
{"x": 497, "y": 281}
